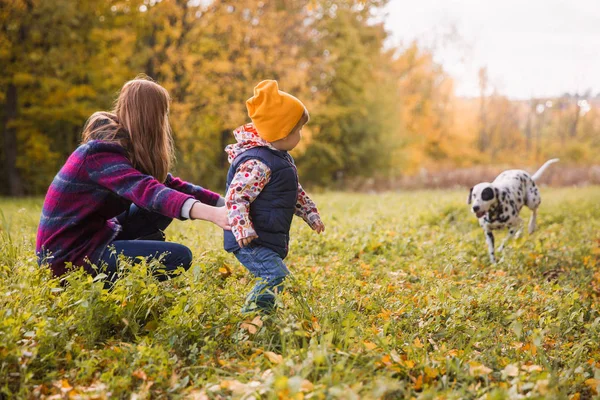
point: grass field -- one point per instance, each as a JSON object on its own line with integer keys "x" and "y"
{"x": 396, "y": 300}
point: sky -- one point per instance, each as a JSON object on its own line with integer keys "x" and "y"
{"x": 531, "y": 48}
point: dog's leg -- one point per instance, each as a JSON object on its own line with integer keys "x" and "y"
{"x": 518, "y": 227}
{"x": 511, "y": 233}
{"x": 489, "y": 238}
{"x": 532, "y": 221}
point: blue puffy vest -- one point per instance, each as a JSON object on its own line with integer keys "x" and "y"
{"x": 273, "y": 210}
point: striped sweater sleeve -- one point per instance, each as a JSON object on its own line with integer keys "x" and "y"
{"x": 201, "y": 194}
{"x": 114, "y": 172}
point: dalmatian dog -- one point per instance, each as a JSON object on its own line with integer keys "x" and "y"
{"x": 497, "y": 205}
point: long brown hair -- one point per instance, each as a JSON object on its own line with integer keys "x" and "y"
{"x": 139, "y": 122}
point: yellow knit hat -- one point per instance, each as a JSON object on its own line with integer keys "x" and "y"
{"x": 274, "y": 113}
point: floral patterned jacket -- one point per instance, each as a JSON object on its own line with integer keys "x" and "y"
{"x": 252, "y": 176}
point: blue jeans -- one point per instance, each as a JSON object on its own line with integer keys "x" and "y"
{"x": 142, "y": 235}
{"x": 268, "y": 267}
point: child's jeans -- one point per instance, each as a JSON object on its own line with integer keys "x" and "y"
{"x": 142, "y": 236}
{"x": 268, "y": 266}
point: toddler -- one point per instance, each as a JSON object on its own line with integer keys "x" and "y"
{"x": 263, "y": 192}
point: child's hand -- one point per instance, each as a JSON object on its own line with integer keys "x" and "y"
{"x": 318, "y": 226}
{"x": 243, "y": 242}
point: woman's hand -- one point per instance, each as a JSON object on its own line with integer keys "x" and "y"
{"x": 216, "y": 215}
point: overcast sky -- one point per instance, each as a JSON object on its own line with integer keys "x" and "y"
{"x": 530, "y": 47}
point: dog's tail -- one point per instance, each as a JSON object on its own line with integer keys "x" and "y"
{"x": 540, "y": 171}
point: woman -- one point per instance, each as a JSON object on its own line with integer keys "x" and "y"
{"x": 114, "y": 194}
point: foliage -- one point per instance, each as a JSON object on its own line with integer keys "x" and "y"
{"x": 376, "y": 111}
{"x": 396, "y": 300}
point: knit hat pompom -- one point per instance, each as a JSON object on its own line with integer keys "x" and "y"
{"x": 274, "y": 113}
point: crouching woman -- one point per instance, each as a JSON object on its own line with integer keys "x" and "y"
{"x": 114, "y": 194}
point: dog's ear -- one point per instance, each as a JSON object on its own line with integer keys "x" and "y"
{"x": 470, "y": 195}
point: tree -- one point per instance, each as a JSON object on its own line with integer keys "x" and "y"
{"x": 51, "y": 84}
{"x": 348, "y": 132}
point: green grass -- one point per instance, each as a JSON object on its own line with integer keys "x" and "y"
{"x": 396, "y": 300}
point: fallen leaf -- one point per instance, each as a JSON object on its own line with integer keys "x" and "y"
{"x": 197, "y": 395}
{"x": 307, "y": 386}
{"x": 419, "y": 383}
{"x": 593, "y": 384}
{"x": 274, "y": 357}
{"x": 140, "y": 374}
{"x": 65, "y": 386}
{"x": 531, "y": 368}
{"x": 476, "y": 369}
{"x": 396, "y": 357}
{"x": 369, "y": 345}
{"x": 252, "y": 326}
{"x": 511, "y": 370}
{"x": 431, "y": 372}
{"x": 225, "y": 271}
{"x": 237, "y": 387}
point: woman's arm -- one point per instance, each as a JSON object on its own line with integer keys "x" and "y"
{"x": 204, "y": 195}
{"x": 113, "y": 171}
{"x": 216, "y": 215}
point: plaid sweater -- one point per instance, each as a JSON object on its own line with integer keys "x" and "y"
{"x": 97, "y": 183}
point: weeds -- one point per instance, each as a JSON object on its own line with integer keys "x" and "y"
{"x": 396, "y": 300}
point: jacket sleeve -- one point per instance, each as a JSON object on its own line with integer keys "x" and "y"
{"x": 306, "y": 208}
{"x": 114, "y": 172}
{"x": 203, "y": 195}
{"x": 247, "y": 183}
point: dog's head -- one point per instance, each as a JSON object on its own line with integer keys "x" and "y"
{"x": 482, "y": 197}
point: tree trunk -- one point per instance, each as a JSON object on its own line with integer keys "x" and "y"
{"x": 9, "y": 136}
{"x": 529, "y": 129}
{"x": 573, "y": 128}
{"x": 483, "y": 134}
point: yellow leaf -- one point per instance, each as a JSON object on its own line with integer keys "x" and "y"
{"x": 476, "y": 369}
{"x": 417, "y": 343}
{"x": 453, "y": 352}
{"x": 307, "y": 386}
{"x": 140, "y": 374}
{"x": 593, "y": 384}
{"x": 419, "y": 383}
{"x": 225, "y": 271}
{"x": 274, "y": 357}
{"x": 234, "y": 386}
{"x": 65, "y": 386}
{"x": 252, "y": 326}
{"x": 369, "y": 345}
{"x": 531, "y": 368}
{"x": 431, "y": 372}
{"x": 315, "y": 324}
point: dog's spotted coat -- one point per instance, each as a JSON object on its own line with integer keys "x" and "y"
{"x": 498, "y": 204}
